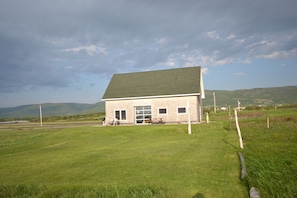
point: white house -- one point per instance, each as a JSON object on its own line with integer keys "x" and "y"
{"x": 155, "y": 96}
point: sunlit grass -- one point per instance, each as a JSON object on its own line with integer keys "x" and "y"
{"x": 139, "y": 161}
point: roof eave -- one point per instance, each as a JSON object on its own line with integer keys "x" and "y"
{"x": 150, "y": 97}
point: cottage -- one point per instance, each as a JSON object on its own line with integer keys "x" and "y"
{"x": 155, "y": 96}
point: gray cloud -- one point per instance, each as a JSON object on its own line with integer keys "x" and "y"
{"x": 51, "y": 43}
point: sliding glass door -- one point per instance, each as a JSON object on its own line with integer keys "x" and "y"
{"x": 143, "y": 114}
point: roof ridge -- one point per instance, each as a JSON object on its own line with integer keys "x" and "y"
{"x": 159, "y": 70}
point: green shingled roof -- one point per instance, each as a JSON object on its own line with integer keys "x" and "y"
{"x": 154, "y": 83}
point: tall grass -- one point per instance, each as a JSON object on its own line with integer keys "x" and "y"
{"x": 129, "y": 161}
{"x": 271, "y": 153}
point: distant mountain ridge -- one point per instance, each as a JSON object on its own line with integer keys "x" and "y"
{"x": 247, "y": 97}
{"x": 256, "y": 96}
{"x": 51, "y": 109}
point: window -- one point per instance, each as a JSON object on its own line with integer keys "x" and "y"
{"x": 181, "y": 110}
{"x": 120, "y": 114}
{"x": 123, "y": 114}
{"x": 117, "y": 115}
{"x": 162, "y": 111}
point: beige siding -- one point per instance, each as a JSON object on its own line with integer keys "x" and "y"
{"x": 171, "y": 104}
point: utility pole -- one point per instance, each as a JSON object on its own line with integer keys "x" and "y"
{"x": 40, "y": 114}
{"x": 214, "y": 102}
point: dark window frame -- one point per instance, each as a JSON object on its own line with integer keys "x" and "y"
{"x": 181, "y": 110}
{"x": 162, "y": 111}
{"x": 120, "y": 114}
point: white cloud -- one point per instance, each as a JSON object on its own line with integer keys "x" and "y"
{"x": 213, "y": 35}
{"x": 205, "y": 60}
{"x": 273, "y": 55}
{"x": 223, "y": 61}
{"x": 91, "y": 49}
{"x": 239, "y": 74}
{"x": 280, "y": 54}
{"x": 262, "y": 43}
{"x": 231, "y": 36}
{"x": 204, "y": 70}
{"x": 170, "y": 62}
{"x": 245, "y": 61}
{"x": 213, "y": 60}
{"x": 102, "y": 50}
{"x": 68, "y": 67}
{"x": 240, "y": 41}
{"x": 161, "y": 41}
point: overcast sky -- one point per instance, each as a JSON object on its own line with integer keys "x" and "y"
{"x": 67, "y": 50}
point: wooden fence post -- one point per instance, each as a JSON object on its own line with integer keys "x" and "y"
{"x": 189, "y": 118}
{"x": 238, "y": 129}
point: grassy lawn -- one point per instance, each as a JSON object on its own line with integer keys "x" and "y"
{"x": 125, "y": 161}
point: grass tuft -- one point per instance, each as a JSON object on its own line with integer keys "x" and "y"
{"x": 81, "y": 191}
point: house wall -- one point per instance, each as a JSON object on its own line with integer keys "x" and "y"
{"x": 171, "y": 104}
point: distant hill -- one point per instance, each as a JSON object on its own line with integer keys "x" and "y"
{"x": 256, "y": 96}
{"x": 247, "y": 97}
{"x": 51, "y": 109}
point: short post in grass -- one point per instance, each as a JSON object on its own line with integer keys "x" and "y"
{"x": 267, "y": 122}
{"x": 214, "y": 102}
{"x": 207, "y": 118}
{"x": 229, "y": 113}
{"x": 230, "y": 123}
{"x": 189, "y": 118}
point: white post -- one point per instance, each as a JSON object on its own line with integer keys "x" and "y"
{"x": 207, "y": 118}
{"x": 238, "y": 105}
{"x": 267, "y": 122}
{"x": 40, "y": 114}
{"x": 189, "y": 118}
{"x": 238, "y": 129}
{"x": 214, "y": 102}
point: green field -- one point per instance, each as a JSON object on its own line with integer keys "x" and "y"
{"x": 68, "y": 160}
{"x": 127, "y": 161}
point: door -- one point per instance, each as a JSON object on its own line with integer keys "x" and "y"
{"x": 143, "y": 114}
